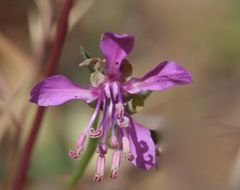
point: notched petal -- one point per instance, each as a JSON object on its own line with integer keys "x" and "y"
{"x": 164, "y": 75}
{"x": 142, "y": 146}
{"x": 115, "y": 48}
{"x": 58, "y": 89}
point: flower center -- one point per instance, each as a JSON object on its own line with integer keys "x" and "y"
{"x": 114, "y": 119}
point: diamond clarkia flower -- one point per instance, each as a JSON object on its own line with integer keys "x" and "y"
{"x": 109, "y": 90}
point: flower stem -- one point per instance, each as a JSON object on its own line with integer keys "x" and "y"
{"x": 21, "y": 173}
{"x": 86, "y": 157}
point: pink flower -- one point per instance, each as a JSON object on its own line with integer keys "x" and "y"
{"x": 109, "y": 89}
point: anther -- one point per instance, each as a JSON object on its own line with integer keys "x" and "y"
{"x": 102, "y": 149}
{"x": 116, "y": 159}
{"x": 80, "y": 147}
{"x": 95, "y": 133}
{"x": 127, "y": 149}
{"x": 100, "y": 167}
{"x": 119, "y": 110}
{"x": 114, "y": 142}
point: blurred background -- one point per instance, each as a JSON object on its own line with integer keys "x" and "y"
{"x": 199, "y": 123}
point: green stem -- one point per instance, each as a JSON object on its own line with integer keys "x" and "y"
{"x": 85, "y": 158}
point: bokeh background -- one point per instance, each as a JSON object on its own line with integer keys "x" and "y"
{"x": 199, "y": 123}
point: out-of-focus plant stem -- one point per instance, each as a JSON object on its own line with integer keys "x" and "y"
{"x": 21, "y": 173}
{"x": 86, "y": 157}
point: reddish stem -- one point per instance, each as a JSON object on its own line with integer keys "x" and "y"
{"x": 21, "y": 174}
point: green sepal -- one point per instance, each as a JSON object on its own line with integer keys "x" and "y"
{"x": 134, "y": 103}
{"x": 126, "y": 69}
{"x": 86, "y": 56}
{"x": 145, "y": 94}
{"x": 84, "y": 53}
{"x": 155, "y": 135}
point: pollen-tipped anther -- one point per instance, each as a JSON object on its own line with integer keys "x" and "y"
{"x": 116, "y": 159}
{"x": 114, "y": 142}
{"x": 100, "y": 167}
{"x": 127, "y": 149}
{"x": 123, "y": 122}
{"x": 80, "y": 146}
{"x": 102, "y": 149}
{"x": 73, "y": 154}
{"x": 95, "y": 133}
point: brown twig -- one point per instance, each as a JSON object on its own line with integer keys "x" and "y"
{"x": 21, "y": 174}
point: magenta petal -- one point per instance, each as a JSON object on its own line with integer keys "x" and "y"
{"x": 115, "y": 48}
{"x": 58, "y": 89}
{"x": 142, "y": 146}
{"x": 164, "y": 75}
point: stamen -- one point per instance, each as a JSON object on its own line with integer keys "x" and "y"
{"x": 108, "y": 116}
{"x": 121, "y": 119}
{"x": 120, "y": 98}
{"x": 105, "y": 127}
{"x": 116, "y": 159}
{"x": 107, "y": 90}
{"x": 73, "y": 154}
{"x": 81, "y": 140}
{"x": 95, "y": 133}
{"x": 102, "y": 149}
{"x": 126, "y": 146}
{"x": 123, "y": 122}
{"x": 100, "y": 167}
{"x": 95, "y": 113}
{"x": 115, "y": 90}
{"x": 80, "y": 147}
{"x": 113, "y": 139}
{"x": 119, "y": 110}
{"x": 114, "y": 142}
{"x": 105, "y": 108}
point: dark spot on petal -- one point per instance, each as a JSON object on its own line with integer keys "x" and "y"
{"x": 117, "y": 63}
{"x": 75, "y": 96}
{"x": 158, "y": 80}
